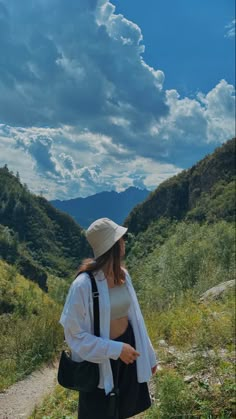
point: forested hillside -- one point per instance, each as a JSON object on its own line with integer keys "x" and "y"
{"x": 205, "y": 192}
{"x": 35, "y": 236}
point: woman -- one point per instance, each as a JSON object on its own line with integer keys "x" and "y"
{"x": 123, "y": 350}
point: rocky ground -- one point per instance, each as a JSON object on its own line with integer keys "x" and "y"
{"x": 19, "y": 400}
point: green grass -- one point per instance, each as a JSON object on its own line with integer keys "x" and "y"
{"x": 61, "y": 404}
{"x": 200, "y": 343}
{"x": 190, "y": 323}
{"x": 194, "y": 257}
{"x": 30, "y": 332}
{"x": 210, "y": 394}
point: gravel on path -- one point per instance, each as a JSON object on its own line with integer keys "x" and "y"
{"x": 19, "y": 400}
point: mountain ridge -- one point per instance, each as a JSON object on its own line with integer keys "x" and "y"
{"x": 35, "y": 236}
{"x": 180, "y": 195}
{"x": 111, "y": 204}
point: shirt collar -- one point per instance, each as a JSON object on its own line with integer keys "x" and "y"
{"x": 99, "y": 275}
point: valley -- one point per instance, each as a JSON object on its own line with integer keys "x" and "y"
{"x": 180, "y": 245}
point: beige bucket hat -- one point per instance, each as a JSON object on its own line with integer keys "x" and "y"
{"x": 102, "y": 234}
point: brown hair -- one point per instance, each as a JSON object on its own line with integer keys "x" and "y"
{"x": 112, "y": 258}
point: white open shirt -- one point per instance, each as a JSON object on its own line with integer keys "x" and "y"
{"x": 77, "y": 320}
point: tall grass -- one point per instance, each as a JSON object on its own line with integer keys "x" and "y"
{"x": 195, "y": 257}
{"x": 61, "y": 404}
{"x": 30, "y": 332}
{"x": 190, "y": 323}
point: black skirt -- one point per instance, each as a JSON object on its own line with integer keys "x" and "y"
{"x": 133, "y": 396}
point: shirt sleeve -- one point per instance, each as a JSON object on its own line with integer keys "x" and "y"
{"x": 76, "y": 322}
{"x": 151, "y": 352}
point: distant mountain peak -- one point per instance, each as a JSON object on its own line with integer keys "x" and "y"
{"x": 111, "y": 204}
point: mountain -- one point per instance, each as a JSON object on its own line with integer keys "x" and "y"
{"x": 34, "y": 235}
{"x": 114, "y": 205}
{"x": 205, "y": 192}
{"x": 181, "y": 239}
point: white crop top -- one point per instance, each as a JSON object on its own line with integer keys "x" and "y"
{"x": 119, "y": 301}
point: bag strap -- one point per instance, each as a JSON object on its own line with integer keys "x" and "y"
{"x": 95, "y": 295}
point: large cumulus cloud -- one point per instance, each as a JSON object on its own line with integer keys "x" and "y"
{"x": 73, "y": 64}
{"x": 78, "y": 100}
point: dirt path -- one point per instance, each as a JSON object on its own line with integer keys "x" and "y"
{"x": 20, "y": 399}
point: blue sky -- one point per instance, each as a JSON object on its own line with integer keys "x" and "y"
{"x": 186, "y": 39}
{"x": 98, "y": 96}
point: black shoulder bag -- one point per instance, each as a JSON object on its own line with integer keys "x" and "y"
{"x": 81, "y": 376}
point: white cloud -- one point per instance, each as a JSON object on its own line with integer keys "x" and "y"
{"x": 70, "y": 162}
{"x": 192, "y": 121}
{"x": 219, "y": 112}
{"x": 230, "y": 30}
{"x": 72, "y": 173}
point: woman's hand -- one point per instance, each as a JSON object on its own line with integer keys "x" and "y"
{"x": 128, "y": 354}
{"x": 154, "y": 370}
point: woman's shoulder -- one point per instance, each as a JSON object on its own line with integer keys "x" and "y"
{"x": 81, "y": 281}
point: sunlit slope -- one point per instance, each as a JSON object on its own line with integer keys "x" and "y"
{"x": 205, "y": 192}
{"x": 30, "y": 332}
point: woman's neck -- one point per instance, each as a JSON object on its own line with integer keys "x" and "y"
{"x": 109, "y": 274}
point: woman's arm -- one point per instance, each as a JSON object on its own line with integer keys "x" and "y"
{"x": 154, "y": 369}
{"x": 92, "y": 348}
